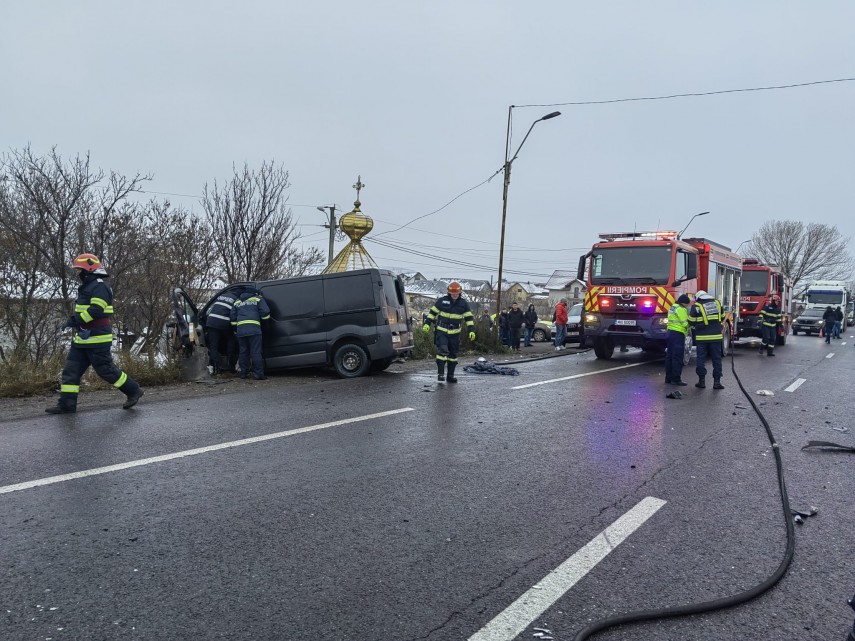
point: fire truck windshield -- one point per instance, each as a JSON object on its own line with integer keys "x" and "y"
{"x": 625, "y": 265}
{"x": 754, "y": 283}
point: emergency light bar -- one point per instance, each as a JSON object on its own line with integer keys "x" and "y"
{"x": 642, "y": 235}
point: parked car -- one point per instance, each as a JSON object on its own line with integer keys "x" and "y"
{"x": 809, "y": 321}
{"x": 354, "y": 322}
{"x": 574, "y": 325}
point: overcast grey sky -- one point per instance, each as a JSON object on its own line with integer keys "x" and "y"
{"x": 414, "y": 98}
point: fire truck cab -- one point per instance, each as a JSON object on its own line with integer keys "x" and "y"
{"x": 759, "y": 283}
{"x": 633, "y": 278}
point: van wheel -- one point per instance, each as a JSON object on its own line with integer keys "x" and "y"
{"x": 380, "y": 364}
{"x": 350, "y": 361}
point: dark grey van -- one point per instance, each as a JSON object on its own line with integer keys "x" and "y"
{"x": 355, "y": 321}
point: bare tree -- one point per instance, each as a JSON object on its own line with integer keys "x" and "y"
{"x": 73, "y": 212}
{"x": 804, "y": 251}
{"x": 253, "y": 230}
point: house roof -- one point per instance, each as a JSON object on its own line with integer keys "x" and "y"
{"x": 561, "y": 278}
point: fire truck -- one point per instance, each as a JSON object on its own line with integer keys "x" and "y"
{"x": 633, "y": 278}
{"x": 759, "y": 283}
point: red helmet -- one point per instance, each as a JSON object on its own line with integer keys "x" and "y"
{"x": 454, "y": 288}
{"x": 88, "y": 263}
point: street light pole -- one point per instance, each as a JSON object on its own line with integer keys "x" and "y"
{"x": 507, "y": 170}
{"x": 680, "y": 235}
{"x": 332, "y": 226}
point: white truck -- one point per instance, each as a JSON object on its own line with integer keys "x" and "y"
{"x": 822, "y": 293}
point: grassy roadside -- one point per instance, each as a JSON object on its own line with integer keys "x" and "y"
{"x": 20, "y": 378}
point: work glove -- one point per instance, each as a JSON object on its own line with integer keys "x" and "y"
{"x": 71, "y": 322}
{"x": 471, "y": 337}
{"x": 84, "y": 333}
{"x": 425, "y": 327}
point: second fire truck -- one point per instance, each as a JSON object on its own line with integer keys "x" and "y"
{"x": 759, "y": 283}
{"x": 633, "y": 278}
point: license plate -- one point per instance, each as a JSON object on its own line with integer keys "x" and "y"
{"x": 624, "y": 322}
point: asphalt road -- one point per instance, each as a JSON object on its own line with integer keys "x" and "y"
{"x": 393, "y": 507}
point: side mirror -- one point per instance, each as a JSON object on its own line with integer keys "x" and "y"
{"x": 580, "y": 272}
{"x": 692, "y": 267}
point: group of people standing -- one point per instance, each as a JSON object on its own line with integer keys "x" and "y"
{"x": 704, "y": 316}
{"x": 233, "y": 325}
{"x": 832, "y": 323}
{"x": 512, "y": 321}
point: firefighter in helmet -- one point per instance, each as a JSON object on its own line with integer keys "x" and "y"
{"x": 448, "y": 315}
{"x": 770, "y": 320}
{"x": 93, "y": 337}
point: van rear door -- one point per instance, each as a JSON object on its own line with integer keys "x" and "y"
{"x": 395, "y": 310}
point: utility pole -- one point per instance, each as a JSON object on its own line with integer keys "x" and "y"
{"x": 331, "y": 225}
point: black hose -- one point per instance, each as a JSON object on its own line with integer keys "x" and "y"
{"x": 725, "y": 602}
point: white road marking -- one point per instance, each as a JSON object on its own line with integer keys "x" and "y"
{"x": 567, "y": 378}
{"x": 796, "y": 384}
{"x": 509, "y": 623}
{"x": 843, "y": 343}
{"x": 199, "y": 450}
{"x": 830, "y": 355}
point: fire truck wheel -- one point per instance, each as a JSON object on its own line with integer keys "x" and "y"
{"x": 726, "y": 342}
{"x": 604, "y": 348}
{"x": 687, "y": 350}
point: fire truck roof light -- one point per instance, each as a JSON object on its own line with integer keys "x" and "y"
{"x": 642, "y": 235}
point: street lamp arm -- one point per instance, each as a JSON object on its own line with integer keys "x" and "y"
{"x": 680, "y": 235}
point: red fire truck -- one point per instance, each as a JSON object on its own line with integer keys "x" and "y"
{"x": 633, "y": 278}
{"x": 759, "y": 283}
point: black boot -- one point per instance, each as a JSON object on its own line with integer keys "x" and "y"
{"x": 717, "y": 384}
{"x": 440, "y": 371}
{"x": 60, "y": 409}
{"x": 451, "y": 368}
{"x": 679, "y": 381}
{"x": 770, "y": 353}
{"x": 701, "y": 383}
{"x": 133, "y": 398}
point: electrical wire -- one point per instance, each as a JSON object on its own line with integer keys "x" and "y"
{"x": 740, "y": 597}
{"x": 689, "y": 95}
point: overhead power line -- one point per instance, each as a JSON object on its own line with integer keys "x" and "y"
{"x": 689, "y": 95}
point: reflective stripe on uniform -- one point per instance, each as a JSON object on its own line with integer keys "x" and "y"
{"x": 440, "y": 328}
{"x": 247, "y": 322}
{"x": 69, "y": 389}
{"x": 86, "y": 316}
{"x": 122, "y": 380}
{"x": 93, "y": 340}
{"x": 440, "y": 357}
{"x": 100, "y": 302}
{"x": 225, "y": 318}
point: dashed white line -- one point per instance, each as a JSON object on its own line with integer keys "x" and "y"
{"x": 830, "y": 355}
{"x": 199, "y": 450}
{"x": 567, "y": 378}
{"x": 796, "y": 384}
{"x": 509, "y": 623}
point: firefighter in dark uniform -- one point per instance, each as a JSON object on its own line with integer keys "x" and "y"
{"x": 93, "y": 338}
{"x": 448, "y": 314}
{"x": 222, "y": 344}
{"x": 247, "y": 313}
{"x": 705, "y": 318}
{"x": 770, "y": 321}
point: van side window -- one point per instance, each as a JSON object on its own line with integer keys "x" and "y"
{"x": 349, "y": 293}
{"x": 393, "y": 291}
{"x": 303, "y": 299}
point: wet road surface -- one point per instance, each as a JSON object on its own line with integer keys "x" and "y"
{"x": 394, "y": 507}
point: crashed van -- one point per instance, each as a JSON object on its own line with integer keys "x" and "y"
{"x": 355, "y": 322}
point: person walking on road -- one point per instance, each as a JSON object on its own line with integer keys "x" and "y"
{"x": 770, "y": 322}
{"x": 560, "y": 324}
{"x": 247, "y": 313}
{"x": 516, "y": 318}
{"x": 678, "y": 329}
{"x": 530, "y": 319}
{"x": 828, "y": 323}
{"x": 448, "y": 313}
{"x": 705, "y": 318}
{"x": 92, "y": 340}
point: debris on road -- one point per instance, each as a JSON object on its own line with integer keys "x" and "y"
{"x": 827, "y": 445}
{"x": 483, "y": 366}
{"x": 675, "y": 394}
{"x": 765, "y": 392}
